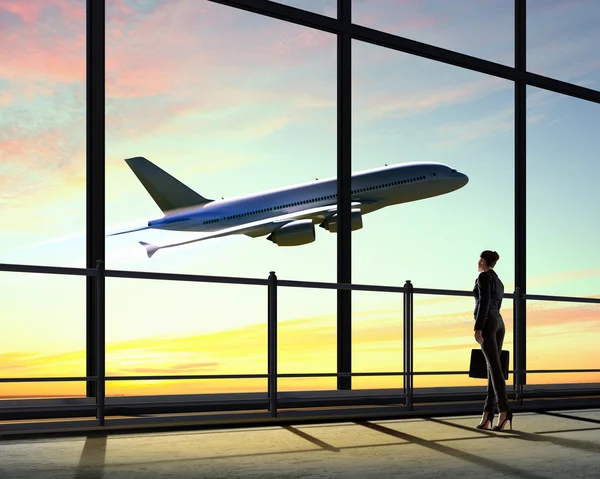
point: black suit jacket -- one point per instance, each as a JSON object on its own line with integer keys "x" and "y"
{"x": 488, "y": 292}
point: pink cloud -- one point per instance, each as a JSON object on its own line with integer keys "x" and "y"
{"x": 179, "y": 44}
{"x": 31, "y": 158}
{"x": 190, "y": 74}
{"x": 553, "y": 279}
{"x": 45, "y": 163}
{"x": 31, "y": 11}
{"x": 542, "y": 315}
{"x": 6, "y": 96}
{"x": 40, "y": 49}
{"x": 162, "y": 65}
{"x": 190, "y": 45}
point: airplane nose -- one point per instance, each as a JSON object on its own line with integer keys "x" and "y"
{"x": 463, "y": 179}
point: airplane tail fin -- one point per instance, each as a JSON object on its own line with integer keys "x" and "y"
{"x": 167, "y": 192}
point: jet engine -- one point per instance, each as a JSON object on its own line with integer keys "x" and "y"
{"x": 294, "y": 234}
{"x": 331, "y": 223}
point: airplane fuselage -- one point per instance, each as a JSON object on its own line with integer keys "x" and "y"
{"x": 371, "y": 190}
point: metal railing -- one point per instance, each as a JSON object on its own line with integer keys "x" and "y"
{"x": 272, "y": 283}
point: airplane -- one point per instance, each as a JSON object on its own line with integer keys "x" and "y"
{"x": 287, "y": 216}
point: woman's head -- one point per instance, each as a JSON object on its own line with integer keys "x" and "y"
{"x": 487, "y": 259}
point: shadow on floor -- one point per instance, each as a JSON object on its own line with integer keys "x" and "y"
{"x": 587, "y": 446}
{"x": 465, "y": 456}
{"x": 312, "y": 439}
{"x": 569, "y": 416}
{"x": 93, "y": 457}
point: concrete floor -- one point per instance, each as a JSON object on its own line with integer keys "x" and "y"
{"x": 552, "y": 445}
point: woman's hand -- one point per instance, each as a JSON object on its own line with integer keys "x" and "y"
{"x": 478, "y": 336}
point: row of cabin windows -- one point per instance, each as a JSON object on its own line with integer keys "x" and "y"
{"x": 320, "y": 198}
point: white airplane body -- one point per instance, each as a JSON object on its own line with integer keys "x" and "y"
{"x": 288, "y": 215}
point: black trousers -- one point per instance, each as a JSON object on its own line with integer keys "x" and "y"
{"x": 493, "y": 338}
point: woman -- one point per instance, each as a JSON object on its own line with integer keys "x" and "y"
{"x": 489, "y": 333}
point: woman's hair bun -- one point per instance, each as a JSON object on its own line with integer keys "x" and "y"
{"x": 490, "y": 257}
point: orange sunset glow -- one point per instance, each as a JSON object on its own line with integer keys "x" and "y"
{"x": 308, "y": 345}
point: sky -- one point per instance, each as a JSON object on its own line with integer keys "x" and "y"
{"x": 233, "y": 103}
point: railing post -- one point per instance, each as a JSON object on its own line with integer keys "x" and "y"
{"x": 517, "y": 346}
{"x": 272, "y": 342}
{"x": 100, "y": 343}
{"x": 408, "y": 344}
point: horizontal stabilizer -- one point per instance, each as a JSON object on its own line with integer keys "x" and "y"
{"x": 167, "y": 192}
{"x": 150, "y": 248}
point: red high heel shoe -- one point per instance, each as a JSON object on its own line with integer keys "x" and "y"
{"x": 500, "y": 427}
{"x": 489, "y": 418}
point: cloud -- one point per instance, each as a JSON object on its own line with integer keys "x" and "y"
{"x": 45, "y": 46}
{"x": 409, "y": 101}
{"x": 482, "y": 29}
{"x": 554, "y": 279}
{"x": 393, "y": 15}
{"x": 148, "y": 56}
{"x": 322, "y": 7}
{"x": 34, "y": 11}
{"x": 6, "y": 96}
{"x": 561, "y": 40}
{"x": 16, "y": 360}
{"x": 189, "y": 368}
{"x": 458, "y": 133}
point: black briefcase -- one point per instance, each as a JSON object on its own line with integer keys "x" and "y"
{"x": 478, "y": 367}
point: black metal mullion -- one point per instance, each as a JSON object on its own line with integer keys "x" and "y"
{"x": 95, "y": 137}
{"x": 520, "y": 193}
{"x": 344, "y": 172}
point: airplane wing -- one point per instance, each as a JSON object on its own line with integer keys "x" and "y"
{"x": 257, "y": 228}
{"x": 146, "y": 228}
{"x": 131, "y": 231}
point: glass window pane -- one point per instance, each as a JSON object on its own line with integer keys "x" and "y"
{"x": 443, "y": 339}
{"x": 562, "y": 39}
{"x": 161, "y": 328}
{"x": 42, "y": 132}
{"x": 231, "y": 104}
{"x": 422, "y": 118}
{"x": 481, "y": 29}
{"x": 377, "y": 339}
{"x": 43, "y": 319}
{"x": 307, "y": 337}
{"x": 196, "y": 332}
{"x": 562, "y": 336}
{"x": 563, "y": 200}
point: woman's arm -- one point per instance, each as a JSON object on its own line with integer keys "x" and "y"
{"x": 484, "y": 289}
